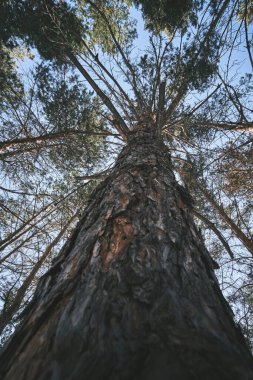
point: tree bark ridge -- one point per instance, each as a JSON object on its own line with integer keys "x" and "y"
{"x": 132, "y": 294}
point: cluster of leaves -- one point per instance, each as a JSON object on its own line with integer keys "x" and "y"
{"x": 8, "y": 76}
{"x": 51, "y": 26}
{"x": 97, "y": 14}
{"x": 245, "y": 9}
{"x": 168, "y": 14}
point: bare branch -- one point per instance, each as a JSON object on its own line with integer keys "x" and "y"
{"x": 122, "y": 127}
{"x": 215, "y": 230}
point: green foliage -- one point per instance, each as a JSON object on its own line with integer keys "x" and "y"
{"x": 68, "y": 106}
{"x": 58, "y": 120}
{"x": 169, "y": 14}
{"x": 198, "y": 69}
{"x": 245, "y": 10}
{"x": 104, "y": 19}
{"x": 10, "y": 85}
{"x": 55, "y": 28}
{"x": 50, "y": 26}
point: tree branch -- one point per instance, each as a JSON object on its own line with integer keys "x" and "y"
{"x": 121, "y": 127}
{"x": 248, "y": 243}
{"x": 215, "y": 230}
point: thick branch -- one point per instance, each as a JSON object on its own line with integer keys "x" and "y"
{"x": 238, "y": 127}
{"x": 122, "y": 127}
{"x": 126, "y": 61}
{"x": 160, "y": 116}
{"x": 48, "y": 137}
{"x": 215, "y": 230}
{"x": 103, "y": 68}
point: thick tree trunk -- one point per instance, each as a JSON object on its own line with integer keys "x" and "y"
{"x": 133, "y": 294}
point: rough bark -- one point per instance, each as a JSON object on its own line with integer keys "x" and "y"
{"x": 132, "y": 294}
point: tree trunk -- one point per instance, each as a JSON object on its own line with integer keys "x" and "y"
{"x": 132, "y": 294}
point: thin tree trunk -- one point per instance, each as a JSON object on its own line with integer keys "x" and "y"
{"x": 132, "y": 294}
{"x": 8, "y": 313}
{"x": 248, "y": 243}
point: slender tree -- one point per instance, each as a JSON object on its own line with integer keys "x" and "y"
{"x": 11, "y": 308}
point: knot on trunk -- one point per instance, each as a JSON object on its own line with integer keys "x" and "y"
{"x": 146, "y": 127}
{"x": 121, "y": 234}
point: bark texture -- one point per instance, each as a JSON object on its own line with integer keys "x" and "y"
{"x": 132, "y": 294}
